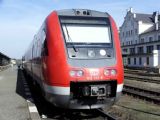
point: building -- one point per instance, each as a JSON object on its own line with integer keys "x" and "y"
{"x": 140, "y": 39}
{"x": 4, "y": 60}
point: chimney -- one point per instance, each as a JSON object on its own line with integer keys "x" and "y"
{"x": 157, "y": 26}
{"x": 155, "y": 17}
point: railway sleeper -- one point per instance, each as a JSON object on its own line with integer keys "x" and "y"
{"x": 141, "y": 95}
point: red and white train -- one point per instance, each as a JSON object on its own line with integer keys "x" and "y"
{"x": 76, "y": 59}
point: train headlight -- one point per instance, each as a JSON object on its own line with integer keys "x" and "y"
{"x": 110, "y": 72}
{"x": 76, "y": 73}
{"x": 113, "y": 72}
{"x": 102, "y": 52}
{"x": 72, "y": 73}
{"x": 106, "y": 72}
{"x": 79, "y": 73}
{"x": 91, "y": 53}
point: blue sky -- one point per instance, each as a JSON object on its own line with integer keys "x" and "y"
{"x": 21, "y": 19}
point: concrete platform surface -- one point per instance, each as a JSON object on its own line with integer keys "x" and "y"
{"x": 13, "y": 105}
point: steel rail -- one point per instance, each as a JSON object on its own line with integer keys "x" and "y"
{"x": 142, "y": 79}
{"x": 148, "y": 95}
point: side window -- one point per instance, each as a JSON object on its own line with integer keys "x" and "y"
{"x": 44, "y": 45}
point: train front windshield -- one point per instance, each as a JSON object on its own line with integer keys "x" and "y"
{"x": 86, "y": 33}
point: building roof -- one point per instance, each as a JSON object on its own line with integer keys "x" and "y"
{"x": 4, "y": 56}
{"x": 152, "y": 29}
{"x": 146, "y": 18}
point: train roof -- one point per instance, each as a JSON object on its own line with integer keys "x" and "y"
{"x": 82, "y": 12}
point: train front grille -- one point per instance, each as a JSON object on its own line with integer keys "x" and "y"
{"x": 93, "y": 89}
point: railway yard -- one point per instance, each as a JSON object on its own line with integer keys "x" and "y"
{"x": 140, "y": 100}
{"x": 141, "y": 96}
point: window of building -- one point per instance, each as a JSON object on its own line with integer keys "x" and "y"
{"x": 136, "y": 41}
{"x": 150, "y": 39}
{"x": 132, "y": 50}
{"x": 140, "y": 61}
{"x": 131, "y": 32}
{"x": 158, "y": 37}
{"x": 129, "y": 60}
{"x": 158, "y": 47}
{"x": 125, "y": 50}
{"x": 123, "y": 34}
{"x": 142, "y": 40}
{"x": 129, "y": 18}
{"x": 127, "y": 34}
{"x": 135, "y": 61}
{"x": 136, "y": 31}
{"x": 150, "y": 49}
{"x": 140, "y": 50}
{"x": 147, "y": 60}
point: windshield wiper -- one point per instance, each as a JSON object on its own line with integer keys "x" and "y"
{"x": 69, "y": 38}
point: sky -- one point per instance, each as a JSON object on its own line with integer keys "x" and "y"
{"x": 21, "y": 19}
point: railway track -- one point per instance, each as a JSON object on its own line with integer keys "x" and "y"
{"x": 142, "y": 73}
{"x": 96, "y": 114}
{"x": 148, "y": 95}
{"x": 143, "y": 79}
{"x": 138, "y": 110}
{"x": 105, "y": 115}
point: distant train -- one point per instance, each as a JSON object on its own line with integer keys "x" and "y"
{"x": 76, "y": 59}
